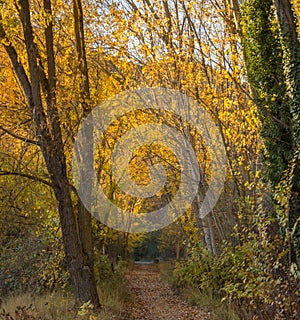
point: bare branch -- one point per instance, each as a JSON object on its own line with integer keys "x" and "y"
{"x": 25, "y": 175}
{"x": 18, "y": 137}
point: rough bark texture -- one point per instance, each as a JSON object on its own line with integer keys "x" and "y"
{"x": 49, "y": 135}
{"x": 84, "y": 216}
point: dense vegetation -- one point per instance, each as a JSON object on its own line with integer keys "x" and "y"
{"x": 59, "y": 60}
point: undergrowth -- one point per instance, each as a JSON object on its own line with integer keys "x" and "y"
{"x": 58, "y": 305}
{"x": 238, "y": 284}
{"x": 208, "y": 302}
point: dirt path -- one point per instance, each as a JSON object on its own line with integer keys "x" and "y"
{"x": 154, "y": 300}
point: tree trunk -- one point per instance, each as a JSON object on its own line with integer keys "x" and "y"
{"x": 209, "y": 234}
{"x": 291, "y": 61}
{"x": 50, "y": 139}
{"x": 84, "y": 216}
{"x": 273, "y": 67}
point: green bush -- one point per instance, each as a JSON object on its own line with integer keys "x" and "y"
{"x": 107, "y": 268}
{"x": 32, "y": 264}
{"x": 247, "y": 276}
{"x": 111, "y": 283}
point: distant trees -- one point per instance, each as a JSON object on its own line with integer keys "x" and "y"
{"x": 194, "y": 48}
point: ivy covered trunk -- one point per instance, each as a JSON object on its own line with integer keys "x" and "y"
{"x": 291, "y": 64}
{"x": 273, "y": 64}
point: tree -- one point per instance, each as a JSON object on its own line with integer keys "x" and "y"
{"x": 291, "y": 64}
{"x": 39, "y": 87}
{"x": 271, "y": 50}
{"x": 187, "y": 48}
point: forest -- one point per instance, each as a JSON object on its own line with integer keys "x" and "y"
{"x": 150, "y": 159}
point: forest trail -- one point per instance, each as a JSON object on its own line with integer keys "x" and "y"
{"x": 154, "y": 300}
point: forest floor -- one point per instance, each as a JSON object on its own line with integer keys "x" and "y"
{"x": 154, "y": 300}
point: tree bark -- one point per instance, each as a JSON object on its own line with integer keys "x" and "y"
{"x": 49, "y": 135}
{"x": 87, "y": 157}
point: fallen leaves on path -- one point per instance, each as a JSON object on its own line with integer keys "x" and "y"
{"x": 154, "y": 300}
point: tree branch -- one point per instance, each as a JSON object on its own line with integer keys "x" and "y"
{"x": 18, "y": 137}
{"x": 25, "y": 175}
{"x": 17, "y": 65}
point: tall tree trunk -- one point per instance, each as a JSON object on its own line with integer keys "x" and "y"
{"x": 84, "y": 216}
{"x": 273, "y": 67}
{"x": 291, "y": 64}
{"x": 48, "y": 132}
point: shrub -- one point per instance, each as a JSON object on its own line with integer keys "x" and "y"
{"x": 252, "y": 276}
{"x": 32, "y": 264}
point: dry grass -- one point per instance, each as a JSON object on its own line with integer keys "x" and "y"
{"x": 211, "y": 304}
{"x": 114, "y": 295}
{"x": 54, "y": 306}
{"x": 58, "y": 306}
